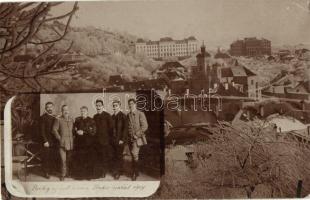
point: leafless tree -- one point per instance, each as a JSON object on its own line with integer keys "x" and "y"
{"x": 252, "y": 155}
{"x": 249, "y": 159}
{"x": 31, "y": 24}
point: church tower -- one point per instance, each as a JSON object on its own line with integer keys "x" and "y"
{"x": 201, "y": 72}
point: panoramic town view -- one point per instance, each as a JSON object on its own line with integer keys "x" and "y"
{"x": 233, "y": 78}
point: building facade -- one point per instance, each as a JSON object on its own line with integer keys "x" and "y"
{"x": 250, "y": 47}
{"x": 232, "y": 79}
{"x": 167, "y": 47}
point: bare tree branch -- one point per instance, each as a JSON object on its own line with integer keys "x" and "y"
{"x": 75, "y": 7}
{"x": 21, "y": 24}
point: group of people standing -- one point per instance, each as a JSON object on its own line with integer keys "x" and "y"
{"x": 88, "y": 147}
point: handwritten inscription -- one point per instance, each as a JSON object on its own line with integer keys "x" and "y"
{"x": 52, "y": 189}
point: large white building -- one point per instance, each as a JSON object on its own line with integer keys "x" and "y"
{"x": 167, "y": 47}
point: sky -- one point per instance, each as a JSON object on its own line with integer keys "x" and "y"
{"x": 217, "y": 22}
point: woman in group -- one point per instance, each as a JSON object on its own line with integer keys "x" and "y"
{"x": 84, "y": 131}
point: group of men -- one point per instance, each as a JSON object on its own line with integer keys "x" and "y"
{"x": 91, "y": 147}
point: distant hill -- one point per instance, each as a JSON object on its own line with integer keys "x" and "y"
{"x": 291, "y": 47}
{"x": 107, "y": 53}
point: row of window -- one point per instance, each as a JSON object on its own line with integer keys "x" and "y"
{"x": 173, "y": 52}
{"x": 167, "y": 46}
{"x": 167, "y": 54}
{"x": 167, "y": 50}
{"x": 175, "y": 48}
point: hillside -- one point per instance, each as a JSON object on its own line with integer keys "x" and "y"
{"x": 292, "y": 48}
{"x": 106, "y": 53}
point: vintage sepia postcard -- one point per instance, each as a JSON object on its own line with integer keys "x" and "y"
{"x": 167, "y": 99}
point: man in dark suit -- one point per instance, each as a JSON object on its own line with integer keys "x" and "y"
{"x": 120, "y": 133}
{"x": 84, "y": 131}
{"x": 103, "y": 137}
{"x": 49, "y": 142}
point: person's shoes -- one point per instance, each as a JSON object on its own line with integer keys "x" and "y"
{"x": 62, "y": 178}
{"x": 69, "y": 175}
{"x": 116, "y": 176}
{"x": 47, "y": 175}
{"x": 134, "y": 177}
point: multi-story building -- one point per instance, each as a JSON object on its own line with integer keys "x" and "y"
{"x": 237, "y": 48}
{"x": 240, "y": 78}
{"x": 235, "y": 78}
{"x": 250, "y": 47}
{"x": 167, "y": 47}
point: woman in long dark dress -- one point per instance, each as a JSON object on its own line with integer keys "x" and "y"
{"x": 84, "y": 131}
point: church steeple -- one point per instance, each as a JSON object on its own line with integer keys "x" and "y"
{"x": 203, "y": 47}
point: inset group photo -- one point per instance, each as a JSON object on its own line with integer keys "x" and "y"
{"x": 84, "y": 137}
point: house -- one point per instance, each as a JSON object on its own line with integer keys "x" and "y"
{"x": 283, "y": 52}
{"x": 178, "y": 86}
{"x": 300, "y": 52}
{"x": 116, "y": 80}
{"x": 300, "y": 91}
{"x": 271, "y": 58}
{"x": 156, "y": 84}
{"x": 241, "y": 78}
{"x": 304, "y": 56}
{"x": 227, "y": 89}
{"x": 179, "y": 156}
{"x": 278, "y": 85}
{"x": 285, "y": 55}
{"x": 286, "y": 85}
{"x": 172, "y": 65}
{"x": 221, "y": 55}
{"x": 172, "y": 70}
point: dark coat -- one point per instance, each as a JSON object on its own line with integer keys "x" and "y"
{"x": 104, "y": 128}
{"x": 120, "y": 131}
{"x": 88, "y": 126}
{"x": 46, "y": 129}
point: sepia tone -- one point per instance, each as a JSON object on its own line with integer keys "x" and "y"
{"x": 228, "y": 81}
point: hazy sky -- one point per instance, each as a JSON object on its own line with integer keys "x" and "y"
{"x": 217, "y": 22}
